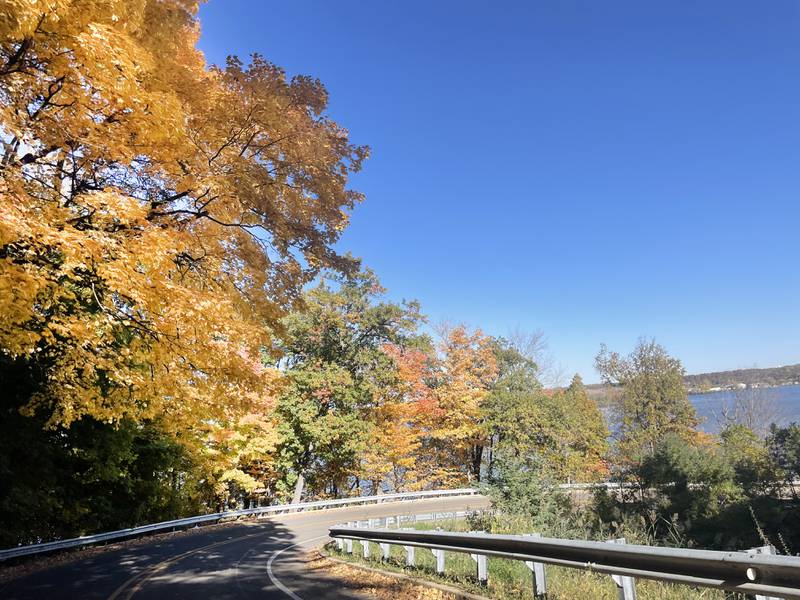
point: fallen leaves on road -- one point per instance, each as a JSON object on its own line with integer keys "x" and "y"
{"x": 376, "y": 585}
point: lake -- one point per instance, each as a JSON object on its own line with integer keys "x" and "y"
{"x": 778, "y": 404}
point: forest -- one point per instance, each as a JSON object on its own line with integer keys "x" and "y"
{"x": 180, "y": 334}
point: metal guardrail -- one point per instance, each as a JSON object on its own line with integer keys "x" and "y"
{"x": 757, "y": 571}
{"x": 277, "y": 509}
{"x": 215, "y": 517}
{"x": 608, "y": 485}
{"x": 613, "y": 485}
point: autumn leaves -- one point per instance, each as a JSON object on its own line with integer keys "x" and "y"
{"x": 372, "y": 402}
{"x": 158, "y": 217}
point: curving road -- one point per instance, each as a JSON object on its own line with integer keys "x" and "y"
{"x": 263, "y": 559}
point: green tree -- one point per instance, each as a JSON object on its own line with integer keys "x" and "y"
{"x": 748, "y": 456}
{"x": 654, "y": 403}
{"x": 524, "y": 486}
{"x": 565, "y": 428}
{"x": 90, "y": 476}
{"x": 784, "y": 450}
{"x": 519, "y": 417}
{"x": 521, "y": 422}
{"x": 335, "y": 364}
{"x": 697, "y": 480}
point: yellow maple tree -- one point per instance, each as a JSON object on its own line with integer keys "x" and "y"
{"x": 157, "y": 216}
{"x": 454, "y": 425}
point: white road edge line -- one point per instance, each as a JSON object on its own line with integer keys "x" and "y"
{"x": 275, "y": 581}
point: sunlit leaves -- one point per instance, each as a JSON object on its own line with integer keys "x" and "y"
{"x": 157, "y": 218}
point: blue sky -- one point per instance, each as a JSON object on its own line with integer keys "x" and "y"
{"x": 597, "y": 170}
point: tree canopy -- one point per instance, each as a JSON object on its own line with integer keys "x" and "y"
{"x": 158, "y": 219}
{"x": 159, "y": 216}
{"x": 654, "y": 401}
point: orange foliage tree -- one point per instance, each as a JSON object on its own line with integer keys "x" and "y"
{"x": 395, "y": 437}
{"x": 455, "y": 435}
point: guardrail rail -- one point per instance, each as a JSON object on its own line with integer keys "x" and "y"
{"x": 216, "y": 517}
{"x": 754, "y": 572}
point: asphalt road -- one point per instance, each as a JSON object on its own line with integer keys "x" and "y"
{"x": 263, "y": 559}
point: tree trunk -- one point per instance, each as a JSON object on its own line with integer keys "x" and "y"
{"x": 493, "y": 440}
{"x": 477, "y": 459}
{"x": 298, "y": 488}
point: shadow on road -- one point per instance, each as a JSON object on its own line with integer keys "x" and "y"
{"x": 163, "y": 567}
{"x": 226, "y": 561}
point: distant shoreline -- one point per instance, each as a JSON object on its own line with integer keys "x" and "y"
{"x": 605, "y": 393}
{"x": 743, "y": 379}
{"x": 742, "y": 387}
{"x": 726, "y": 381}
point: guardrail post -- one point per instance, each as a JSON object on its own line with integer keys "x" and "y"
{"x": 348, "y": 544}
{"x": 386, "y": 551}
{"x": 340, "y": 544}
{"x": 763, "y": 550}
{"x": 626, "y": 586}
{"x": 482, "y": 564}
{"x": 439, "y": 556}
{"x": 537, "y": 571}
{"x": 483, "y": 568}
{"x": 409, "y": 556}
{"x": 365, "y": 548}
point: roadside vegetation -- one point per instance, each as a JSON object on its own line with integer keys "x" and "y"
{"x": 685, "y": 488}
{"x": 510, "y": 579}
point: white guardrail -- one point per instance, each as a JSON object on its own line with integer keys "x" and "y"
{"x": 214, "y": 517}
{"x": 755, "y": 572}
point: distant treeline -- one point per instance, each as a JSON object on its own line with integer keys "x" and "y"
{"x": 703, "y": 382}
{"x": 749, "y": 377}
